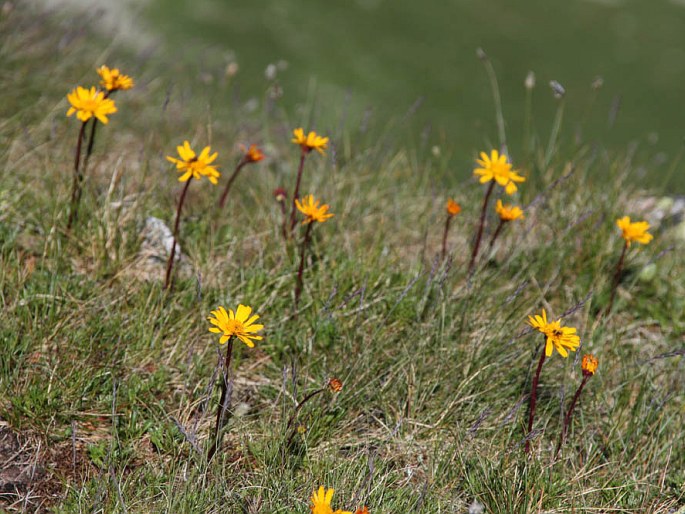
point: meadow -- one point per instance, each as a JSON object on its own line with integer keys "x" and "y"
{"x": 416, "y": 370}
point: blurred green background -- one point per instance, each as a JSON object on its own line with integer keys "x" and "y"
{"x": 380, "y": 56}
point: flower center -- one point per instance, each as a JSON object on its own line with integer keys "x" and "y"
{"x": 233, "y": 327}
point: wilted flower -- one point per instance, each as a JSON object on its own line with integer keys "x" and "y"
{"x": 589, "y": 364}
{"x": 497, "y": 167}
{"x": 280, "y": 194}
{"x": 252, "y": 154}
{"x": 636, "y": 231}
{"x": 312, "y": 210}
{"x": 195, "y": 166}
{"x": 335, "y": 385}
{"x": 113, "y": 79}
{"x": 558, "y": 336}
{"x": 310, "y": 142}
{"x": 508, "y": 212}
{"x": 88, "y": 103}
{"x": 453, "y": 208}
{"x": 240, "y": 325}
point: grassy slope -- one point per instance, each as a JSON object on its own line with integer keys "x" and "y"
{"x": 432, "y": 414}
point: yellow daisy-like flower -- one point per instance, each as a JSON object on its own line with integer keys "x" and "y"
{"x": 240, "y": 325}
{"x": 589, "y": 364}
{"x": 88, "y": 103}
{"x": 113, "y": 79}
{"x": 321, "y": 502}
{"x": 559, "y": 337}
{"x": 309, "y": 142}
{"x": 497, "y": 167}
{"x": 636, "y": 231}
{"x": 196, "y": 166}
{"x": 453, "y": 208}
{"x": 508, "y": 212}
{"x": 252, "y": 154}
{"x": 312, "y": 211}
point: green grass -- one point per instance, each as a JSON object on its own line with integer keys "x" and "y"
{"x": 436, "y": 368}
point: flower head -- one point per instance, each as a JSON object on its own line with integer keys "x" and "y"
{"x": 589, "y": 364}
{"x": 335, "y": 385}
{"x": 113, "y": 79}
{"x": 280, "y": 194}
{"x": 195, "y": 166}
{"x": 508, "y": 212}
{"x": 88, "y": 103}
{"x": 252, "y": 154}
{"x": 321, "y": 502}
{"x": 558, "y": 336}
{"x": 636, "y": 231}
{"x": 309, "y": 142}
{"x": 497, "y": 167}
{"x": 364, "y": 510}
{"x": 240, "y": 325}
{"x": 453, "y": 208}
{"x": 312, "y": 211}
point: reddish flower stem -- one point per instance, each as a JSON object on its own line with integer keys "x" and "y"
{"x": 296, "y": 194}
{"x": 224, "y": 195}
{"x": 479, "y": 234}
{"x": 567, "y": 419}
{"x": 77, "y": 179}
{"x": 223, "y": 404}
{"x": 444, "y": 236}
{"x": 91, "y": 140}
{"x": 177, "y": 223}
{"x": 617, "y": 278}
{"x": 496, "y": 234}
{"x": 298, "y": 284}
{"x": 293, "y": 417}
{"x": 534, "y": 396}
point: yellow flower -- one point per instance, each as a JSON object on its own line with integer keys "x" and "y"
{"x": 636, "y": 231}
{"x": 558, "y": 337}
{"x": 312, "y": 211}
{"x": 87, "y": 103}
{"x": 497, "y": 168}
{"x": 508, "y": 212}
{"x": 309, "y": 142}
{"x": 196, "y": 166}
{"x": 453, "y": 208}
{"x": 321, "y": 502}
{"x": 589, "y": 364}
{"x": 252, "y": 154}
{"x": 240, "y": 325}
{"x": 113, "y": 79}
